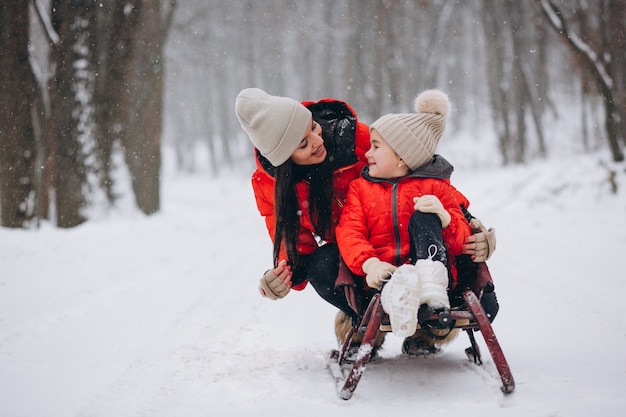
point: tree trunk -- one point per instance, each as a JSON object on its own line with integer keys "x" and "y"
{"x": 18, "y": 89}
{"x": 73, "y": 123}
{"x": 519, "y": 96}
{"x": 130, "y": 96}
{"x": 615, "y": 39}
{"x": 143, "y": 143}
{"x": 498, "y": 87}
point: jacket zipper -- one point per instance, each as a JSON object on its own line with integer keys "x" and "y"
{"x": 396, "y": 228}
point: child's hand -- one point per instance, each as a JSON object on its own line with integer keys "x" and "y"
{"x": 431, "y": 204}
{"x": 377, "y": 272}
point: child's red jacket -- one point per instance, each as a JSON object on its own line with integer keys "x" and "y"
{"x": 375, "y": 219}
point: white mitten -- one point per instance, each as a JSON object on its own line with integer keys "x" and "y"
{"x": 431, "y": 204}
{"x": 377, "y": 272}
{"x": 272, "y": 287}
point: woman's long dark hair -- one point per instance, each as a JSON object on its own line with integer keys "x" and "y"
{"x": 288, "y": 211}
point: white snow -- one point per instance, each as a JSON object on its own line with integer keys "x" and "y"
{"x": 160, "y": 316}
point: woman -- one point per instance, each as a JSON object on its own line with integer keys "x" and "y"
{"x": 306, "y": 155}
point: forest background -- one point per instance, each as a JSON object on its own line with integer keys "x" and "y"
{"x": 91, "y": 91}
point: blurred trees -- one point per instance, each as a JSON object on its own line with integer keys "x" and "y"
{"x": 85, "y": 81}
{"x": 129, "y": 91}
{"x": 596, "y": 36}
{"x": 100, "y": 80}
{"x": 503, "y": 66}
{"x": 517, "y": 76}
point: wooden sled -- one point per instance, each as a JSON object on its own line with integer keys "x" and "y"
{"x": 470, "y": 317}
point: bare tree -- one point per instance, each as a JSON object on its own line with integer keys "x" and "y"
{"x": 72, "y": 119}
{"x": 130, "y": 92}
{"x": 514, "y": 77}
{"x": 496, "y": 59}
{"x": 146, "y": 115}
{"x": 602, "y": 61}
{"x": 18, "y": 91}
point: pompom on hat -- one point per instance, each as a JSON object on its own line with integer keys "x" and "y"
{"x": 275, "y": 125}
{"x": 414, "y": 136}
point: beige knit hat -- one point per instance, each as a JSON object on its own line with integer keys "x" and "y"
{"x": 414, "y": 137}
{"x": 275, "y": 125}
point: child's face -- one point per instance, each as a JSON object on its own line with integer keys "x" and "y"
{"x": 383, "y": 161}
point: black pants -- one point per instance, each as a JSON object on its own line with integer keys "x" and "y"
{"x": 425, "y": 229}
{"x": 321, "y": 268}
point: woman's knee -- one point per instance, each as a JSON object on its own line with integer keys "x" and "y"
{"x": 489, "y": 302}
{"x": 324, "y": 264}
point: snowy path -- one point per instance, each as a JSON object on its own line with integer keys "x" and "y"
{"x": 160, "y": 316}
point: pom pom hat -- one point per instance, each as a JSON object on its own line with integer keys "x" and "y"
{"x": 414, "y": 137}
{"x": 275, "y": 125}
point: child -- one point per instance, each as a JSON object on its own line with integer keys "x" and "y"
{"x": 404, "y": 213}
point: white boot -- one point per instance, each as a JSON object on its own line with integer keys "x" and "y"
{"x": 400, "y": 299}
{"x": 433, "y": 278}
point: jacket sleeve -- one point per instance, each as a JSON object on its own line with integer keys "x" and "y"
{"x": 460, "y": 198}
{"x": 352, "y": 234}
{"x": 458, "y": 230}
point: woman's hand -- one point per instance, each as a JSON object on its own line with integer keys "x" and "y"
{"x": 276, "y": 283}
{"x": 482, "y": 243}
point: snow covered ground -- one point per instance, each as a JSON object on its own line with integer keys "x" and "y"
{"x": 160, "y": 316}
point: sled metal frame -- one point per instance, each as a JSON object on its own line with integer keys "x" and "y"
{"x": 470, "y": 317}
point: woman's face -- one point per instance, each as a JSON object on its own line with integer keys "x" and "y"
{"x": 311, "y": 149}
{"x": 383, "y": 162}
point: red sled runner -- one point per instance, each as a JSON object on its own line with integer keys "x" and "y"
{"x": 469, "y": 317}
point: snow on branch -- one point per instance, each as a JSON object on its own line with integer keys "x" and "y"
{"x": 556, "y": 19}
{"x": 44, "y": 19}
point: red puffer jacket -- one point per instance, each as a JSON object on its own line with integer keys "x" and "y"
{"x": 346, "y": 139}
{"x": 375, "y": 220}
